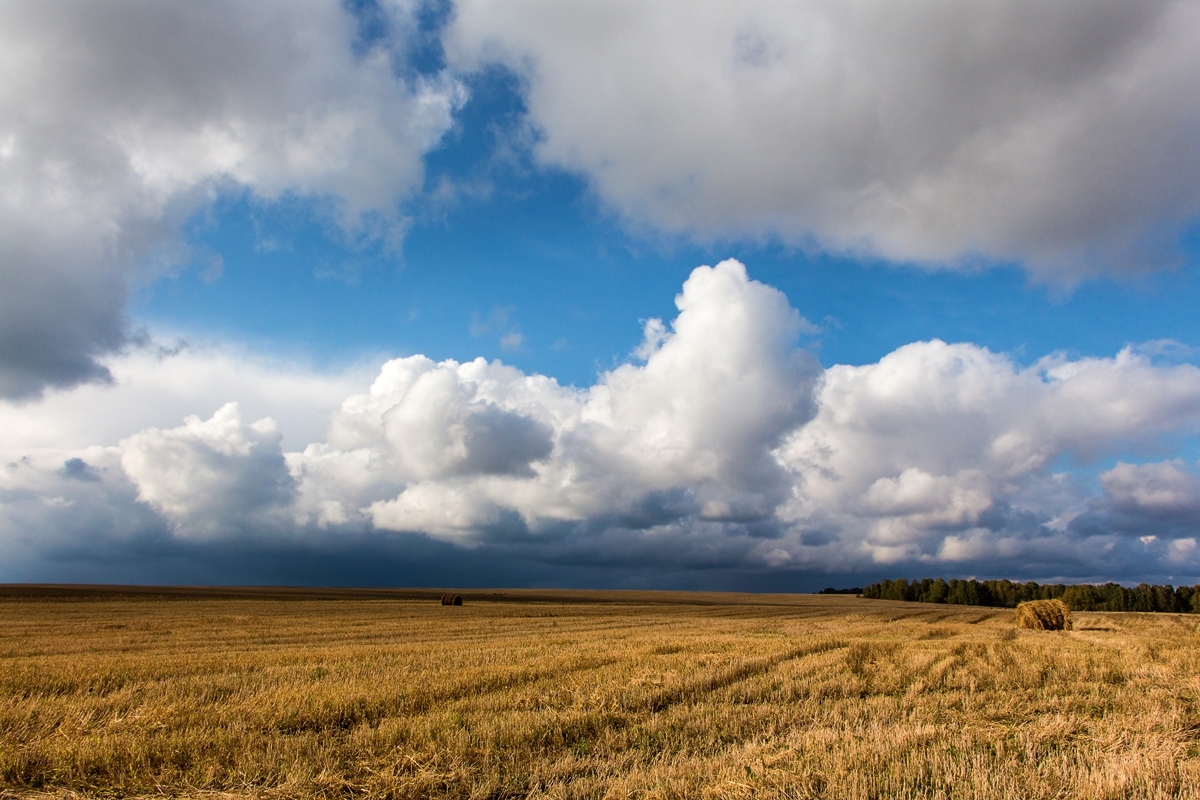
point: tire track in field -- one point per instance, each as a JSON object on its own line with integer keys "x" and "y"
{"x": 510, "y": 680}
{"x": 346, "y": 716}
{"x": 664, "y": 699}
{"x": 581, "y": 726}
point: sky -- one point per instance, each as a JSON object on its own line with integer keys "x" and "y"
{"x": 769, "y": 296}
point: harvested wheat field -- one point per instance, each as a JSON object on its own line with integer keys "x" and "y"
{"x": 578, "y": 694}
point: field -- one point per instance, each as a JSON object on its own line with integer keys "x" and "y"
{"x": 585, "y": 694}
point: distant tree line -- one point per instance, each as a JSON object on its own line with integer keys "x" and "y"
{"x": 1006, "y": 594}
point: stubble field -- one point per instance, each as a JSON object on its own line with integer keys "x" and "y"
{"x": 585, "y": 694}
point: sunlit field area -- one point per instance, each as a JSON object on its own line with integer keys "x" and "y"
{"x": 584, "y": 694}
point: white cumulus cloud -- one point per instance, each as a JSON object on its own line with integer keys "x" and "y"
{"x": 719, "y": 446}
{"x": 1167, "y": 488}
{"x": 940, "y": 446}
{"x": 1060, "y": 135}
{"x": 716, "y": 392}
{"x": 210, "y": 477}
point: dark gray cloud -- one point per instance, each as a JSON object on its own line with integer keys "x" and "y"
{"x": 500, "y": 442}
{"x": 57, "y": 318}
{"x": 120, "y": 540}
{"x": 79, "y": 469}
{"x": 120, "y": 120}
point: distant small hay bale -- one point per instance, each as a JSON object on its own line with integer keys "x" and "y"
{"x": 451, "y": 599}
{"x": 1044, "y": 615}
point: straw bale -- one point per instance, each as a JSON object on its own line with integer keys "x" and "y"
{"x": 1044, "y": 615}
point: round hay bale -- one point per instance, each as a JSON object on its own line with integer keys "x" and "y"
{"x": 1044, "y": 615}
{"x": 450, "y": 599}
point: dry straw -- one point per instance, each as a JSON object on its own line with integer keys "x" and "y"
{"x": 451, "y": 599}
{"x": 588, "y": 695}
{"x": 1044, "y": 615}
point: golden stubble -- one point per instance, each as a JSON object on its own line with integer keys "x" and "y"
{"x": 601, "y": 695}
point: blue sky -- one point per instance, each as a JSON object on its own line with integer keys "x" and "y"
{"x": 766, "y": 297}
{"x": 540, "y": 251}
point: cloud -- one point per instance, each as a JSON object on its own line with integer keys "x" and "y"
{"x": 948, "y": 452}
{"x": 499, "y": 324}
{"x": 715, "y": 394}
{"x": 66, "y": 497}
{"x": 154, "y": 385}
{"x": 117, "y": 122}
{"x": 1157, "y": 502}
{"x": 720, "y": 454}
{"x": 49, "y": 516}
{"x": 1056, "y": 135}
{"x": 1166, "y": 488}
{"x": 211, "y": 477}
{"x": 437, "y": 420}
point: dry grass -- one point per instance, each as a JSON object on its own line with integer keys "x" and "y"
{"x": 1044, "y": 615}
{"x": 575, "y": 695}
